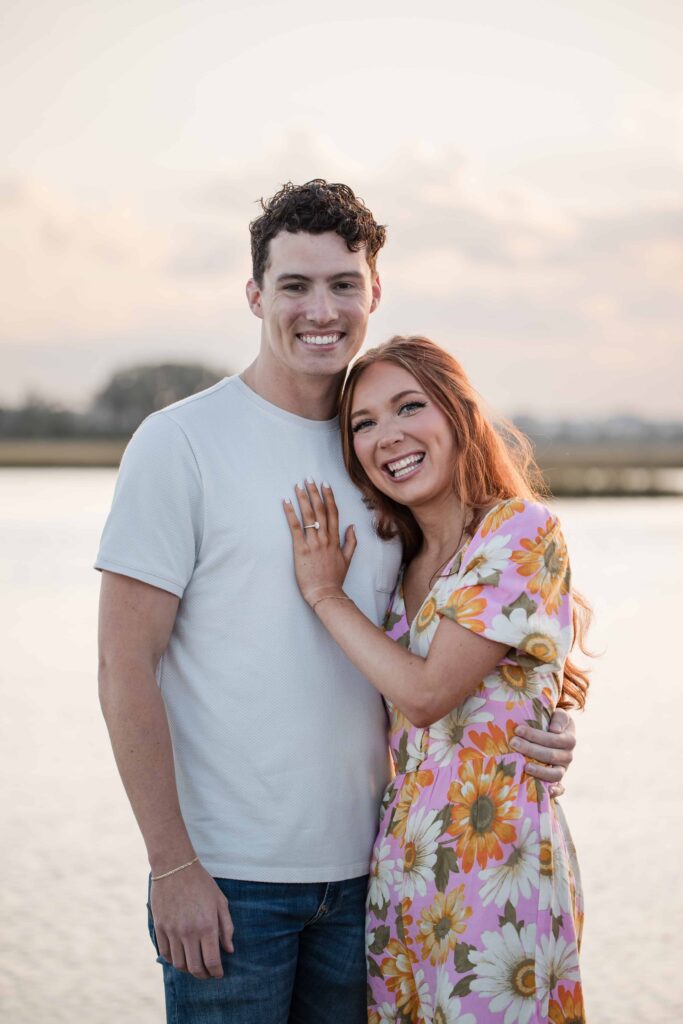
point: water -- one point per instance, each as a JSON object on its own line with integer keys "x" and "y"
{"x": 72, "y": 904}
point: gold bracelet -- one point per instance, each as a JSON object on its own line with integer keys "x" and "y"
{"x": 155, "y": 878}
{"x": 330, "y": 597}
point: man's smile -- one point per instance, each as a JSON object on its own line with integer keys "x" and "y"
{"x": 321, "y": 340}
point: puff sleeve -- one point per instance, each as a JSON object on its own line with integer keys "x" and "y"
{"x": 513, "y": 583}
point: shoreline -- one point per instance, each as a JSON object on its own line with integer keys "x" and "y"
{"x": 570, "y": 469}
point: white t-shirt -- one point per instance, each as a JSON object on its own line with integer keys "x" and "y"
{"x": 279, "y": 742}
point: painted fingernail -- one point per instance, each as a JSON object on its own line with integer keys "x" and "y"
{"x": 287, "y": 500}
{"x": 325, "y": 484}
{"x": 309, "y": 480}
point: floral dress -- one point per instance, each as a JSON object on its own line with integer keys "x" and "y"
{"x": 474, "y": 904}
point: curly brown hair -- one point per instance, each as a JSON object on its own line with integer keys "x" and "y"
{"x": 315, "y": 207}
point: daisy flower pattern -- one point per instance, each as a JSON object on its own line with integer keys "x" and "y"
{"x": 447, "y": 1009}
{"x": 419, "y": 852}
{"x": 445, "y": 736}
{"x": 442, "y": 923}
{"x": 506, "y": 973}
{"x": 518, "y": 876}
{"x": 474, "y": 902}
{"x": 381, "y": 873}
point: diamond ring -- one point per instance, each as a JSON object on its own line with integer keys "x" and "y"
{"x": 313, "y": 526}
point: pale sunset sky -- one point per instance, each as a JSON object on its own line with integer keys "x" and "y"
{"x": 527, "y": 158}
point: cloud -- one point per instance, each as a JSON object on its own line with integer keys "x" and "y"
{"x": 545, "y": 301}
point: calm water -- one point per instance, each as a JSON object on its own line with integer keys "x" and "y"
{"x": 72, "y": 904}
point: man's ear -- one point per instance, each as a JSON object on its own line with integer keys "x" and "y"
{"x": 376, "y": 293}
{"x": 254, "y": 298}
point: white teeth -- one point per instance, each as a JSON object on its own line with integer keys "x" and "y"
{"x": 320, "y": 339}
{"x": 403, "y": 466}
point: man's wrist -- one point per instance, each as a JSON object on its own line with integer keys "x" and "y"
{"x": 164, "y": 856}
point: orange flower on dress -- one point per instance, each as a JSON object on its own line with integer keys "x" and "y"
{"x": 397, "y": 970}
{"x": 482, "y": 812}
{"x": 426, "y": 616}
{"x": 500, "y": 514}
{"x": 493, "y": 743}
{"x": 546, "y": 561}
{"x": 442, "y": 923}
{"x": 464, "y": 606}
{"x": 568, "y": 1007}
{"x": 412, "y": 784}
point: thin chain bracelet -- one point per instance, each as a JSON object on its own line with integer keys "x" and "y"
{"x": 155, "y": 878}
{"x": 330, "y": 597}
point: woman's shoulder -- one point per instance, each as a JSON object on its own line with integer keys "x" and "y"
{"x": 516, "y": 516}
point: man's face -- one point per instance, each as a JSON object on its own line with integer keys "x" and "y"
{"x": 314, "y": 302}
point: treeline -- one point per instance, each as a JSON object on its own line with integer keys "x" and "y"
{"x": 117, "y": 410}
{"x": 133, "y": 393}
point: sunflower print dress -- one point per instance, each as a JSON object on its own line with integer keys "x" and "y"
{"x": 474, "y": 904}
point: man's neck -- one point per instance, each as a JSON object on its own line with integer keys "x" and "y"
{"x": 313, "y": 398}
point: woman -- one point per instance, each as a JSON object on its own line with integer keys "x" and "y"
{"x": 474, "y": 906}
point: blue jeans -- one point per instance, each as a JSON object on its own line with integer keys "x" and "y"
{"x": 299, "y": 958}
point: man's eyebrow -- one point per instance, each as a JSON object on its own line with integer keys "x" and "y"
{"x": 344, "y": 274}
{"x": 395, "y": 398}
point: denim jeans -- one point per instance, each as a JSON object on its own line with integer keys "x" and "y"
{"x": 299, "y": 958}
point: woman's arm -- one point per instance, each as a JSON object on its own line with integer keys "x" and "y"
{"x": 424, "y": 689}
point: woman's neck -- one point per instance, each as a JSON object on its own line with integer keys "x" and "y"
{"x": 442, "y": 523}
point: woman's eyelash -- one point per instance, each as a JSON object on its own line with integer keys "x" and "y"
{"x": 406, "y": 405}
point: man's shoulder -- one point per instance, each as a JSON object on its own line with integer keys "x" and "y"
{"x": 206, "y": 411}
{"x": 199, "y": 403}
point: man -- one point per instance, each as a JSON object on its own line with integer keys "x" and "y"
{"x": 253, "y": 753}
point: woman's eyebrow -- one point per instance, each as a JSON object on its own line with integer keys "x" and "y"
{"x": 393, "y": 400}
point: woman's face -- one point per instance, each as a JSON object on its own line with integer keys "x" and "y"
{"x": 402, "y": 439}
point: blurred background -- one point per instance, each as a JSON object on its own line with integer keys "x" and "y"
{"x": 528, "y": 161}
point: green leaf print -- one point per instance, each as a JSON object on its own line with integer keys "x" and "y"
{"x": 463, "y": 986}
{"x": 492, "y": 580}
{"x": 446, "y": 863}
{"x": 380, "y": 913}
{"x": 523, "y": 601}
{"x": 557, "y": 926}
{"x": 461, "y": 957}
{"x": 540, "y": 718}
{"x": 400, "y": 927}
{"x": 445, "y": 816}
{"x": 404, "y": 641}
{"x": 373, "y": 968}
{"x": 455, "y": 565}
{"x": 391, "y": 620}
{"x": 506, "y": 770}
{"x": 402, "y": 757}
{"x": 538, "y": 789}
{"x": 381, "y": 940}
{"x": 510, "y": 917}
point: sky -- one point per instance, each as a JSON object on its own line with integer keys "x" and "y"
{"x": 527, "y": 159}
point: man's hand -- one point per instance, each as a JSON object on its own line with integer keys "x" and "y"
{"x": 192, "y": 921}
{"x": 554, "y": 749}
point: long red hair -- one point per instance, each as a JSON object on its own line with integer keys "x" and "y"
{"x": 493, "y": 463}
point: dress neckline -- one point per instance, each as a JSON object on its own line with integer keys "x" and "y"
{"x": 467, "y": 540}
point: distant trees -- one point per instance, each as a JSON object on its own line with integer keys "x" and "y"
{"x": 38, "y": 417}
{"x": 135, "y": 392}
{"x": 117, "y": 410}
